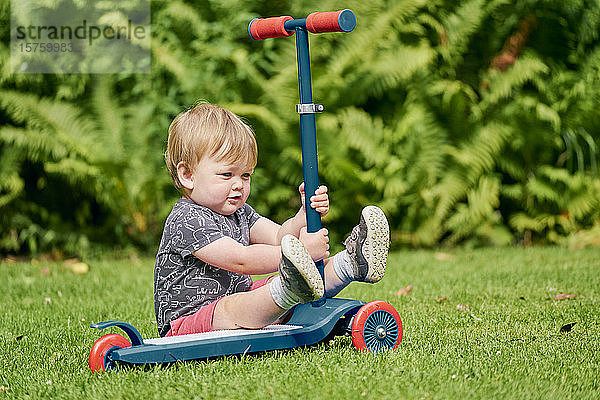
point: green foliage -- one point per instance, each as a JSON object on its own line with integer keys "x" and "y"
{"x": 418, "y": 121}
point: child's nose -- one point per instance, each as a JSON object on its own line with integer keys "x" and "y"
{"x": 237, "y": 184}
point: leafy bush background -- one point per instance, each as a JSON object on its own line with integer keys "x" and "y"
{"x": 469, "y": 122}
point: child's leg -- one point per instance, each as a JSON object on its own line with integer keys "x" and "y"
{"x": 333, "y": 283}
{"x": 365, "y": 257}
{"x": 254, "y": 309}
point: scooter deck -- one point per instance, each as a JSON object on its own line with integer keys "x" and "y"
{"x": 309, "y": 324}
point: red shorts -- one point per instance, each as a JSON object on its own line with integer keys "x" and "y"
{"x": 201, "y": 320}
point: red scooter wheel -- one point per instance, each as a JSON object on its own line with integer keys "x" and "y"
{"x": 376, "y": 327}
{"x": 98, "y": 360}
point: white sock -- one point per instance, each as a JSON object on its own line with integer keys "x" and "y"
{"x": 282, "y": 296}
{"x": 342, "y": 265}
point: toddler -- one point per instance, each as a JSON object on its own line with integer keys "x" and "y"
{"x": 213, "y": 240}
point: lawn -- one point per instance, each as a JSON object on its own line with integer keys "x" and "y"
{"x": 477, "y": 324}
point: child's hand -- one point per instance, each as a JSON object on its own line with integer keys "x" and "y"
{"x": 316, "y": 243}
{"x": 319, "y": 201}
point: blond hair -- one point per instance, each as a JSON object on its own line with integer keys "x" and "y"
{"x": 209, "y": 130}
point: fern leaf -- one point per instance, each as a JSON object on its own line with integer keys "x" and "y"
{"x": 62, "y": 121}
{"x": 542, "y": 191}
{"x": 502, "y": 85}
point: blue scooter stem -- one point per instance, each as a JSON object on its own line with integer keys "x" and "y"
{"x": 308, "y": 137}
{"x": 308, "y": 131}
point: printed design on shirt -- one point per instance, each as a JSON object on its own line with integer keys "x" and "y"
{"x": 182, "y": 282}
{"x": 203, "y": 286}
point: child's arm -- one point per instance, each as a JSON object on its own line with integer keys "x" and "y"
{"x": 257, "y": 259}
{"x": 268, "y": 232}
{"x": 231, "y": 255}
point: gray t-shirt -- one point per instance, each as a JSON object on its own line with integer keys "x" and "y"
{"x": 182, "y": 282}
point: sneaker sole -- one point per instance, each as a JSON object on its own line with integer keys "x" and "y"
{"x": 377, "y": 243}
{"x": 296, "y": 253}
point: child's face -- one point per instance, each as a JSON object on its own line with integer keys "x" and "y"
{"x": 220, "y": 186}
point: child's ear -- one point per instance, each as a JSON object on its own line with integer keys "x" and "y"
{"x": 185, "y": 176}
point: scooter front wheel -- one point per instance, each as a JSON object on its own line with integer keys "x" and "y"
{"x": 99, "y": 360}
{"x": 376, "y": 327}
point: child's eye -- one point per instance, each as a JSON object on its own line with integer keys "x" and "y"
{"x": 246, "y": 176}
{"x": 226, "y": 174}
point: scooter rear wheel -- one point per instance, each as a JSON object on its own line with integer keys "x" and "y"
{"x": 98, "y": 359}
{"x": 376, "y": 327}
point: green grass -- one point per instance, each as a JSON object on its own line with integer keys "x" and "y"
{"x": 507, "y": 345}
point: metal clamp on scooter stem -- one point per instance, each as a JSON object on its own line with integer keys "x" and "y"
{"x": 309, "y": 108}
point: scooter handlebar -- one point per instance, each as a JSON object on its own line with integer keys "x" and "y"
{"x": 332, "y": 21}
{"x": 265, "y": 28}
{"x": 317, "y": 22}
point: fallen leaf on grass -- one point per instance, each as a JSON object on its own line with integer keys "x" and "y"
{"x": 404, "y": 291}
{"x": 443, "y": 256}
{"x": 441, "y": 299}
{"x": 79, "y": 268}
{"x": 564, "y": 296}
{"x": 3, "y": 388}
{"x": 567, "y": 327}
{"x": 54, "y": 255}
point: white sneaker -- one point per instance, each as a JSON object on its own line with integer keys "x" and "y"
{"x": 368, "y": 245}
{"x": 298, "y": 272}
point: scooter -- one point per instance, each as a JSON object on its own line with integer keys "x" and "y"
{"x": 375, "y": 326}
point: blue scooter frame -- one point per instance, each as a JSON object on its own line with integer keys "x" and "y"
{"x": 374, "y": 326}
{"x": 307, "y": 326}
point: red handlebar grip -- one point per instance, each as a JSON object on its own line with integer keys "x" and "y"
{"x": 332, "y": 21}
{"x": 318, "y": 22}
{"x": 265, "y": 28}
